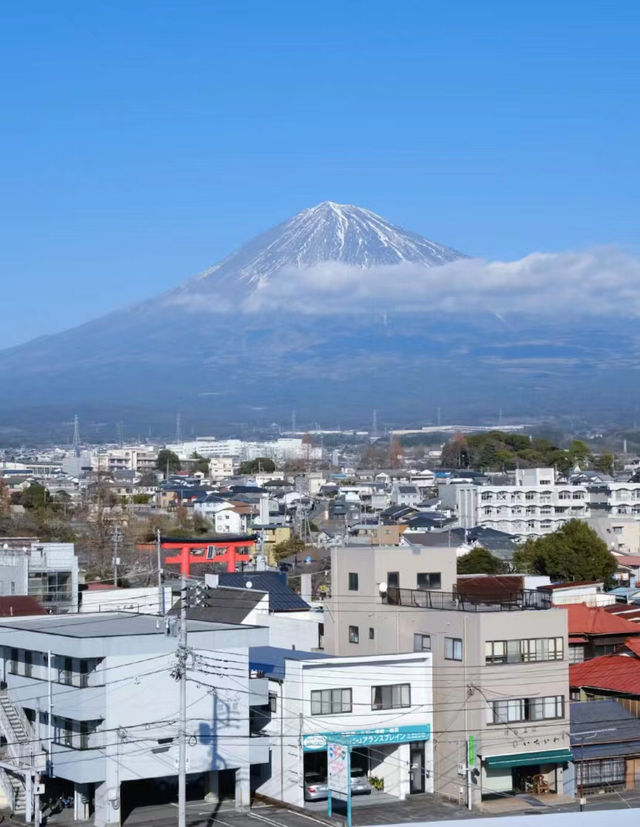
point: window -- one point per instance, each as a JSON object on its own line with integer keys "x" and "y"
{"x": 428, "y": 580}
{"x": 393, "y": 696}
{"x": 605, "y": 772}
{"x": 372, "y": 633}
{"x": 354, "y": 634}
{"x": 393, "y": 579}
{"x": 28, "y": 663}
{"x": 524, "y": 651}
{"x": 453, "y": 648}
{"x": 353, "y": 581}
{"x": 273, "y": 702}
{"x": 421, "y": 643}
{"x": 526, "y": 709}
{"x": 330, "y": 701}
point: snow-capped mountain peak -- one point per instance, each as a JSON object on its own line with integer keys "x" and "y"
{"x": 327, "y": 232}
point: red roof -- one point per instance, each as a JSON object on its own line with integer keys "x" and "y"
{"x": 588, "y": 620}
{"x": 19, "y": 606}
{"x": 633, "y": 644}
{"x": 630, "y": 611}
{"x": 616, "y": 673}
{"x": 628, "y": 559}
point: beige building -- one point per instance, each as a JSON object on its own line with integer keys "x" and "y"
{"x": 500, "y": 664}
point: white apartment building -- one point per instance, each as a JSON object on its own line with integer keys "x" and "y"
{"x": 612, "y": 498}
{"x": 220, "y": 467}
{"x": 138, "y": 459}
{"x": 533, "y": 506}
{"x": 90, "y": 708}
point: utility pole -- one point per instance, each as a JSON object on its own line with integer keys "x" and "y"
{"x": 117, "y": 536}
{"x": 159, "y": 559}
{"x": 182, "y": 666}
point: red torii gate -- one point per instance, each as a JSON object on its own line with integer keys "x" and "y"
{"x": 228, "y": 549}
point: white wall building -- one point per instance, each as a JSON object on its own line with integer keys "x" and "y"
{"x": 114, "y": 703}
{"x": 535, "y": 505}
{"x": 381, "y": 705}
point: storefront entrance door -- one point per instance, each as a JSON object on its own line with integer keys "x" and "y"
{"x": 416, "y": 768}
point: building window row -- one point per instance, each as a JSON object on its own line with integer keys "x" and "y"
{"x": 524, "y": 651}
{"x": 516, "y": 710}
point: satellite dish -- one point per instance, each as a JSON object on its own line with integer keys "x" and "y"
{"x": 249, "y": 584}
{"x": 382, "y": 588}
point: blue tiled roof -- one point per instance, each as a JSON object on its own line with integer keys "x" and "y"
{"x": 603, "y": 729}
{"x": 281, "y": 597}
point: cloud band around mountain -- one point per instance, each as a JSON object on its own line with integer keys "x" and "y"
{"x": 603, "y": 281}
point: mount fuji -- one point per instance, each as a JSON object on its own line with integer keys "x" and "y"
{"x": 317, "y": 314}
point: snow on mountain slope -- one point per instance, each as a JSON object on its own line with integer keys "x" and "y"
{"x": 327, "y": 232}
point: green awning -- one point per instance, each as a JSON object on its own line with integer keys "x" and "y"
{"x": 523, "y": 759}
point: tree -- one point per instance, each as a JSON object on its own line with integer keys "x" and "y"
{"x": 480, "y": 561}
{"x": 294, "y": 545}
{"x": 604, "y": 463}
{"x": 167, "y": 462}
{"x": 455, "y": 453}
{"x": 573, "y": 552}
{"x": 34, "y": 497}
{"x": 579, "y": 452}
{"x": 202, "y": 464}
{"x": 396, "y": 453}
{"x": 257, "y": 465}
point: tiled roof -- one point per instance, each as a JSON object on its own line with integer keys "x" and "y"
{"x": 628, "y": 559}
{"x": 633, "y": 644}
{"x": 588, "y": 620}
{"x": 615, "y": 673}
{"x": 282, "y": 598}
{"x": 629, "y": 611}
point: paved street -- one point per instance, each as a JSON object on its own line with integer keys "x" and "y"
{"x": 418, "y": 808}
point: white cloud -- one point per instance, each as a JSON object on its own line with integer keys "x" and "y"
{"x": 603, "y": 281}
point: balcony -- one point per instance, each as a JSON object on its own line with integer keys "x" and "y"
{"x": 507, "y": 601}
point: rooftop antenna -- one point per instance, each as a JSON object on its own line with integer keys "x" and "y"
{"x": 178, "y": 428}
{"x": 76, "y": 436}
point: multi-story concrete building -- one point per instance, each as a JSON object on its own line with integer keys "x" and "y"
{"x": 535, "y": 505}
{"x": 380, "y": 705}
{"x": 500, "y": 664}
{"x": 46, "y": 571}
{"x": 137, "y": 459}
{"x": 91, "y": 706}
{"x": 614, "y": 498}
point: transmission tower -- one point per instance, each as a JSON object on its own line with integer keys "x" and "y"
{"x": 178, "y": 428}
{"x": 374, "y": 425}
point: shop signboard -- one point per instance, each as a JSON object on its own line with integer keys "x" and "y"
{"x": 338, "y": 774}
{"x": 367, "y": 737}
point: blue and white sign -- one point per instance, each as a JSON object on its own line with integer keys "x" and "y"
{"x": 338, "y": 769}
{"x": 367, "y": 737}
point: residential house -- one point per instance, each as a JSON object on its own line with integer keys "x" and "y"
{"x": 594, "y": 632}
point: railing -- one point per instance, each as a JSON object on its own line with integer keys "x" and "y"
{"x": 20, "y": 745}
{"x": 520, "y": 600}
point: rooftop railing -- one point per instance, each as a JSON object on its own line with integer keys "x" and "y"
{"x": 516, "y": 601}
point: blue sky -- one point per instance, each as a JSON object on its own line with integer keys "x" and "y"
{"x": 142, "y": 141}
